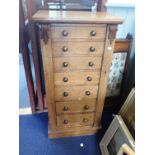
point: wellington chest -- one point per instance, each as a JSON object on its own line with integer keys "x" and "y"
{"x": 76, "y": 49}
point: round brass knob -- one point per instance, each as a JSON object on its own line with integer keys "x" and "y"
{"x": 93, "y": 33}
{"x": 65, "y": 121}
{"x": 64, "y": 48}
{"x": 66, "y": 108}
{"x": 85, "y": 120}
{"x": 65, "y": 64}
{"x": 92, "y": 49}
{"x": 64, "y": 33}
{"x": 65, "y": 94}
{"x": 91, "y": 64}
{"x": 86, "y": 107}
{"x": 87, "y": 93}
{"x": 65, "y": 79}
{"x": 89, "y": 78}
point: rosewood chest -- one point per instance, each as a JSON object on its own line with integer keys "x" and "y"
{"x": 76, "y": 50}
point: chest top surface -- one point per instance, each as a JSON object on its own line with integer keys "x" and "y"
{"x": 75, "y": 16}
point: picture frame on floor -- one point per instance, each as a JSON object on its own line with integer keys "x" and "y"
{"x": 127, "y": 112}
{"x": 125, "y": 150}
{"x": 116, "y": 135}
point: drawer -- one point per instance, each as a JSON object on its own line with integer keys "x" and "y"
{"x": 77, "y": 48}
{"x": 68, "y": 93}
{"x": 75, "y": 106}
{"x": 75, "y": 119}
{"x": 76, "y": 78}
{"x": 81, "y": 31}
{"x": 77, "y": 63}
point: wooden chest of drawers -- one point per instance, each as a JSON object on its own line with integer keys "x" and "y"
{"x": 76, "y": 51}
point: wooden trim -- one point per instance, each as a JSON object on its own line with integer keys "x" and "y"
{"x": 26, "y": 60}
{"x": 28, "y": 72}
{"x": 46, "y": 46}
{"x": 35, "y": 54}
{"x": 44, "y": 16}
{"x": 21, "y": 24}
{"x": 21, "y": 15}
{"x": 31, "y": 9}
{"x": 122, "y": 45}
{"x": 108, "y": 51}
{"x": 101, "y": 5}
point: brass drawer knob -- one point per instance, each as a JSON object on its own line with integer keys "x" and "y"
{"x": 89, "y": 78}
{"x": 86, "y": 107}
{"x": 87, "y": 93}
{"x": 65, "y": 94}
{"x": 93, "y": 33}
{"x": 65, "y": 108}
{"x": 64, "y": 48}
{"x": 65, "y": 64}
{"x": 65, "y": 121}
{"x": 85, "y": 120}
{"x": 65, "y": 79}
{"x": 92, "y": 49}
{"x": 91, "y": 64}
{"x": 64, "y": 33}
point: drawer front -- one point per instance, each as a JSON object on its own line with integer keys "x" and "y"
{"x": 76, "y": 78}
{"x": 62, "y": 32}
{"x": 75, "y": 93}
{"x": 77, "y": 48}
{"x": 77, "y": 63}
{"x": 75, "y": 119}
{"x": 75, "y": 106}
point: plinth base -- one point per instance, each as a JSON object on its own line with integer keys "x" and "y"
{"x": 70, "y": 132}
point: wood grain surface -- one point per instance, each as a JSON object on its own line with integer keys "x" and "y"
{"x": 75, "y": 92}
{"x": 77, "y": 63}
{"x": 76, "y": 106}
{"x": 79, "y": 77}
{"x": 75, "y": 120}
{"x": 76, "y": 48}
{"x": 76, "y": 17}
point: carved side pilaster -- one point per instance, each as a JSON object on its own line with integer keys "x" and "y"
{"x": 112, "y": 33}
{"x": 44, "y": 32}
